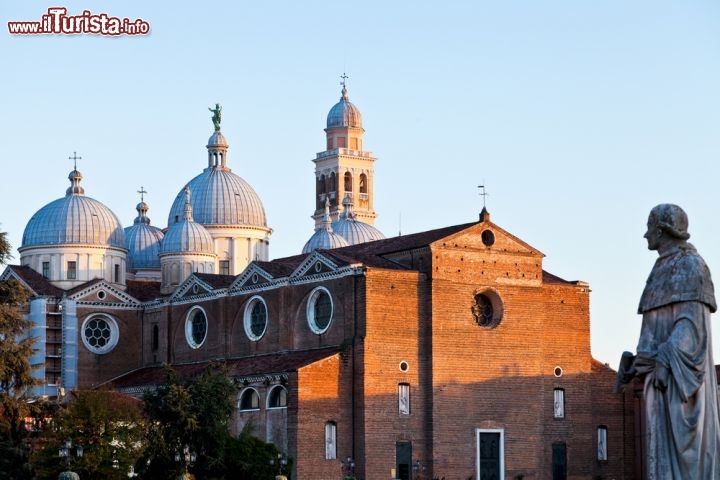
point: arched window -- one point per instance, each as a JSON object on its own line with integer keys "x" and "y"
{"x": 348, "y": 182}
{"x": 404, "y": 398}
{"x": 330, "y": 441}
{"x": 332, "y": 183}
{"x": 155, "y": 338}
{"x": 602, "y": 453}
{"x": 277, "y": 398}
{"x": 363, "y": 183}
{"x": 249, "y": 400}
{"x": 559, "y": 403}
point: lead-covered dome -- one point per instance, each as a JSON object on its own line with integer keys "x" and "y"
{"x": 74, "y": 219}
{"x": 143, "y": 242}
{"x": 344, "y": 113}
{"x": 353, "y": 230}
{"x": 324, "y": 238}
{"x": 187, "y": 236}
{"x": 220, "y": 197}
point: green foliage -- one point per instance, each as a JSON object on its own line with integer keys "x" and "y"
{"x": 249, "y": 458}
{"x": 5, "y": 249}
{"x": 195, "y": 413}
{"x": 109, "y": 426}
{"x": 16, "y": 379}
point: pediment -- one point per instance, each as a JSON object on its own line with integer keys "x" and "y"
{"x": 102, "y": 293}
{"x": 192, "y": 287}
{"x": 253, "y": 277}
{"x": 315, "y": 264}
{"x": 486, "y": 236}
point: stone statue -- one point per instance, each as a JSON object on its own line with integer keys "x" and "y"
{"x": 217, "y": 116}
{"x": 674, "y": 356}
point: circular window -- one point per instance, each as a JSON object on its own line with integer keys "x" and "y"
{"x": 488, "y": 237}
{"x": 319, "y": 310}
{"x": 558, "y": 372}
{"x": 487, "y": 309}
{"x": 404, "y": 366}
{"x": 196, "y": 327}
{"x": 100, "y": 333}
{"x": 255, "y": 318}
{"x": 101, "y": 295}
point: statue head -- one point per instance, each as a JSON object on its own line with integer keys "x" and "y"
{"x": 667, "y": 223}
{"x": 671, "y": 219}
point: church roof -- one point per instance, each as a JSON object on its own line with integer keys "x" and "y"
{"x": 39, "y": 285}
{"x": 74, "y": 220}
{"x": 143, "y": 241}
{"x": 274, "y": 363}
{"x": 187, "y": 236}
{"x": 344, "y": 113}
{"x": 353, "y": 230}
{"x": 324, "y": 238}
{"x": 220, "y": 197}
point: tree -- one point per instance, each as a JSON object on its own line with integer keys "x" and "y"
{"x": 16, "y": 379}
{"x": 193, "y": 416}
{"x": 5, "y": 249}
{"x": 110, "y": 428}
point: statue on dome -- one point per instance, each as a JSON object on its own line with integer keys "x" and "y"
{"x": 217, "y": 116}
{"x": 674, "y": 356}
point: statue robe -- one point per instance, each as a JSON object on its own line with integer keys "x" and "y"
{"x": 682, "y": 422}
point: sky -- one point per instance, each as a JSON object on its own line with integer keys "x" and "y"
{"x": 577, "y": 116}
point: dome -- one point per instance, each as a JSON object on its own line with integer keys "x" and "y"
{"x": 344, "y": 113}
{"x": 74, "y": 219}
{"x": 187, "y": 236}
{"x": 143, "y": 241}
{"x": 352, "y": 230}
{"x": 324, "y": 238}
{"x": 217, "y": 139}
{"x": 220, "y": 198}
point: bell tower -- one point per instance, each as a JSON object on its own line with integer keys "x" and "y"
{"x": 344, "y": 168}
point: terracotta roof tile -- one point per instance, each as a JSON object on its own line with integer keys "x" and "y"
{"x": 40, "y": 285}
{"x": 237, "y": 367}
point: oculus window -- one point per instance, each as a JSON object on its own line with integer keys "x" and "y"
{"x": 487, "y": 308}
{"x": 255, "y": 318}
{"x": 100, "y": 333}
{"x": 196, "y": 326}
{"x": 319, "y": 310}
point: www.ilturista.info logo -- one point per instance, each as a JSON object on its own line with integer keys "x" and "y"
{"x": 57, "y": 21}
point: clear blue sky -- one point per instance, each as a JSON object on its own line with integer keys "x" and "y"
{"x": 578, "y": 116}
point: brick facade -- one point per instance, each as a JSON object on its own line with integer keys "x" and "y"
{"x": 467, "y": 321}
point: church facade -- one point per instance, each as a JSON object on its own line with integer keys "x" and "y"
{"x": 447, "y": 353}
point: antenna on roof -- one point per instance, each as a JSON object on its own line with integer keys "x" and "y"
{"x": 400, "y": 224}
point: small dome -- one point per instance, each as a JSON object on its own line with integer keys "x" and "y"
{"x": 187, "y": 236}
{"x": 344, "y": 113}
{"x": 74, "y": 219}
{"x": 217, "y": 139}
{"x": 324, "y": 238}
{"x": 352, "y": 230}
{"x": 143, "y": 241}
{"x": 220, "y": 198}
